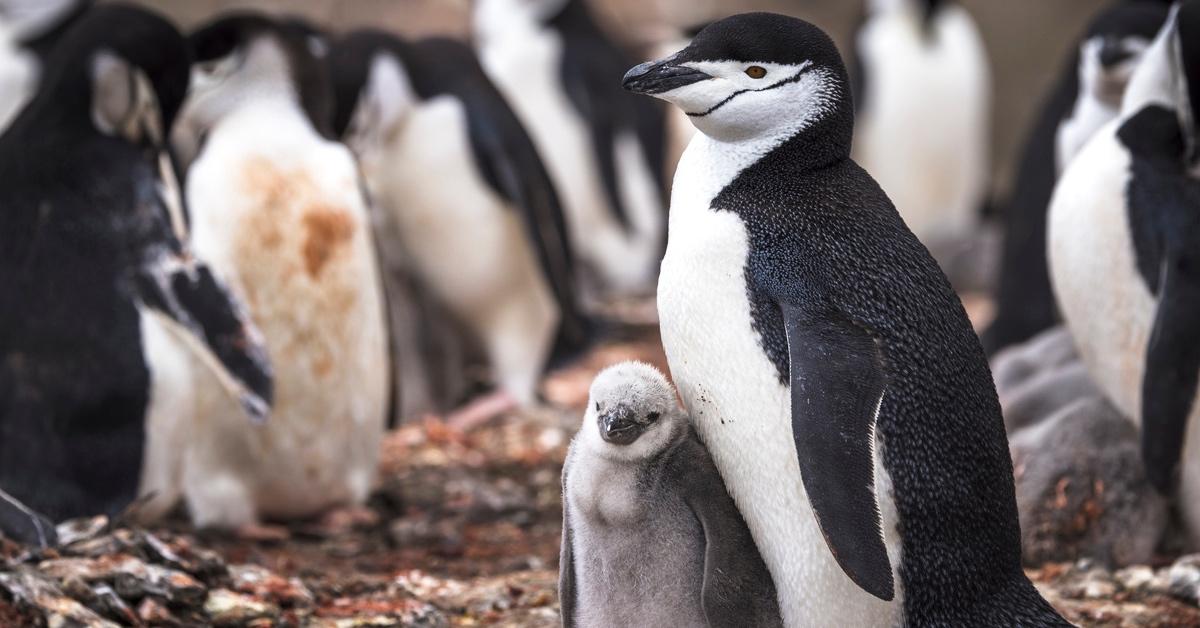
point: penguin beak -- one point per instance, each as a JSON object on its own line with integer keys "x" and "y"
{"x": 657, "y": 77}
{"x": 617, "y": 426}
{"x": 1112, "y": 53}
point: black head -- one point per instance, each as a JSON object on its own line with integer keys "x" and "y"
{"x": 242, "y": 50}
{"x": 1115, "y": 43}
{"x": 371, "y": 87}
{"x": 751, "y": 75}
{"x": 38, "y": 24}
{"x": 121, "y": 69}
{"x": 633, "y": 403}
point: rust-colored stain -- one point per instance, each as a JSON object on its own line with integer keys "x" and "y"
{"x": 325, "y": 230}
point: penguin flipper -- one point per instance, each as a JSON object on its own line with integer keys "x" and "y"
{"x": 21, "y": 524}
{"x": 837, "y": 381}
{"x": 566, "y": 563}
{"x": 1172, "y": 366}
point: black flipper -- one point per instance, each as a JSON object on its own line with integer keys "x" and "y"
{"x": 837, "y": 381}
{"x": 21, "y": 524}
{"x": 1172, "y": 364}
{"x": 566, "y": 564}
{"x": 738, "y": 589}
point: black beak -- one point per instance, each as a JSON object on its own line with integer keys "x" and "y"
{"x": 657, "y": 77}
{"x": 617, "y": 426}
{"x": 1112, "y": 53}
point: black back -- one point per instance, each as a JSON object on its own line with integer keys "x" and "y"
{"x": 78, "y": 205}
{"x": 592, "y": 67}
{"x": 503, "y": 151}
{"x": 1025, "y": 302}
{"x": 825, "y": 238}
{"x": 309, "y": 74}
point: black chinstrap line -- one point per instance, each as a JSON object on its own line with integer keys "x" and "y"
{"x": 792, "y": 79}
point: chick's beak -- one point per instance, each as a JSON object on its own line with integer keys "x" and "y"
{"x": 657, "y": 77}
{"x": 617, "y": 426}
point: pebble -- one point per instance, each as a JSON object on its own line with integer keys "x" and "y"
{"x": 226, "y": 608}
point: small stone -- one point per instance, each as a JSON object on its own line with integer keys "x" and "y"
{"x": 1183, "y": 579}
{"x": 76, "y": 530}
{"x": 29, "y": 588}
{"x": 262, "y": 583}
{"x": 153, "y": 611}
{"x": 226, "y": 608}
{"x": 1139, "y": 578}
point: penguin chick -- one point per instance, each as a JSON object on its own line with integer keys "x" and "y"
{"x": 651, "y": 537}
{"x": 1082, "y": 490}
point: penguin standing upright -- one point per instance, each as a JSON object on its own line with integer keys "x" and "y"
{"x": 28, "y": 30}
{"x": 604, "y": 149}
{"x": 472, "y": 204}
{"x": 1124, "y": 234}
{"x": 99, "y": 285}
{"x": 924, "y": 110}
{"x": 823, "y": 357}
{"x": 278, "y": 210}
{"x": 1087, "y": 96}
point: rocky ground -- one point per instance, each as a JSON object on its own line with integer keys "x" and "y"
{"x": 463, "y": 531}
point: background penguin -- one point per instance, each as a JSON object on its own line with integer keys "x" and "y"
{"x": 1087, "y": 95}
{"x": 1124, "y": 231}
{"x": 650, "y": 535}
{"x": 279, "y": 211}
{"x": 823, "y": 357}
{"x": 924, "y": 113}
{"x": 28, "y": 30}
{"x": 461, "y": 182}
{"x": 604, "y": 149}
{"x": 102, "y": 299}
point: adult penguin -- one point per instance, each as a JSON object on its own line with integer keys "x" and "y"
{"x": 604, "y": 149}
{"x": 924, "y": 107}
{"x": 103, "y": 299}
{"x": 824, "y": 358}
{"x": 1124, "y": 234}
{"x": 1086, "y": 96}
{"x": 28, "y": 30}
{"x": 279, "y": 211}
{"x": 459, "y": 178}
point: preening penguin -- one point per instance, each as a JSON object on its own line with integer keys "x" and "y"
{"x": 279, "y": 211}
{"x": 822, "y": 355}
{"x": 102, "y": 297}
{"x": 1124, "y": 233}
{"x": 604, "y": 149}
{"x": 1086, "y": 97}
{"x": 924, "y": 113}
{"x": 650, "y": 535}
{"x": 28, "y": 30}
{"x": 475, "y": 210}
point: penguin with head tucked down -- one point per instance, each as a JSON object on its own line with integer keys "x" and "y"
{"x": 604, "y": 149}
{"x": 104, "y": 300}
{"x": 924, "y": 108}
{"x": 822, "y": 355}
{"x": 28, "y": 30}
{"x": 1087, "y": 96}
{"x": 1124, "y": 231}
{"x": 279, "y": 210}
{"x": 473, "y": 206}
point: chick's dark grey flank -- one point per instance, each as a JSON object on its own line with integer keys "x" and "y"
{"x": 650, "y": 535}
{"x": 92, "y": 251}
{"x": 871, "y": 360}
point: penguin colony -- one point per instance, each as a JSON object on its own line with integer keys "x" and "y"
{"x": 221, "y": 248}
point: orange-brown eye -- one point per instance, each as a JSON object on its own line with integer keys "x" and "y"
{"x": 756, "y": 71}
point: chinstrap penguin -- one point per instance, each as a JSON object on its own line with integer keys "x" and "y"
{"x": 279, "y": 211}
{"x": 822, "y": 355}
{"x": 650, "y": 535}
{"x": 1086, "y": 96}
{"x": 104, "y": 300}
{"x": 1124, "y": 230}
{"x": 603, "y": 148}
{"x": 458, "y": 178}
{"x": 28, "y": 31}
{"x": 924, "y": 103}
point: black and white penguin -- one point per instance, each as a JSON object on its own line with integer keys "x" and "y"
{"x": 823, "y": 357}
{"x": 1086, "y": 96}
{"x": 603, "y": 148}
{"x": 450, "y": 165}
{"x": 279, "y": 211}
{"x": 104, "y": 300}
{"x": 924, "y": 109}
{"x": 650, "y": 535}
{"x": 1124, "y": 232}
{"x": 28, "y": 30}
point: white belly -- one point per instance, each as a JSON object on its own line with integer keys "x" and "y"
{"x": 279, "y": 215}
{"x": 1103, "y": 298}
{"x": 743, "y": 413}
{"x": 924, "y": 133}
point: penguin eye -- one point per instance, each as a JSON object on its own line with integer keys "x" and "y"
{"x": 756, "y": 71}
{"x": 597, "y": 406}
{"x": 653, "y": 416}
